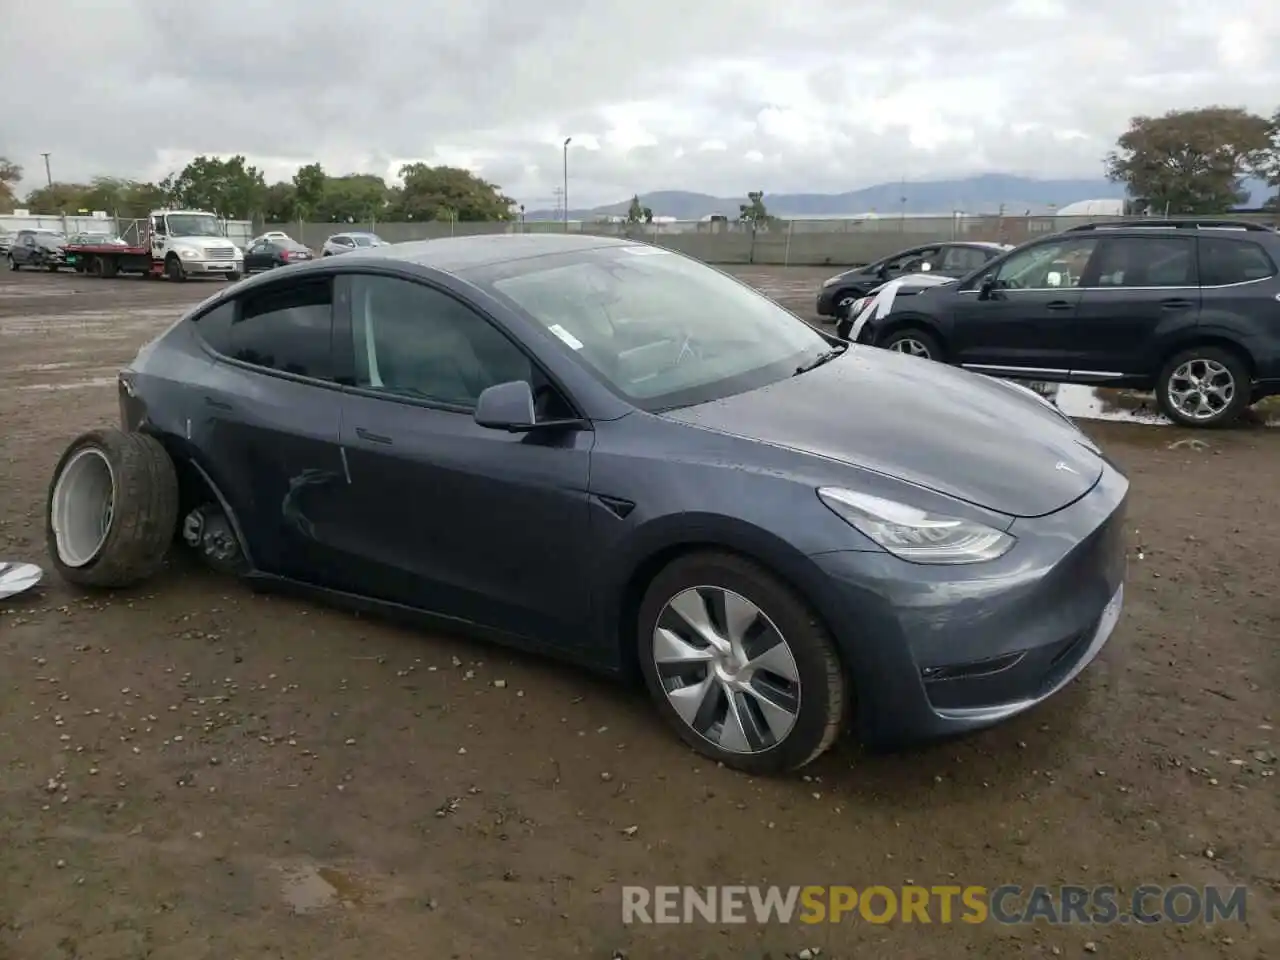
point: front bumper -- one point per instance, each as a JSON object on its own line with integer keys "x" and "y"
{"x": 213, "y": 266}
{"x": 936, "y": 651}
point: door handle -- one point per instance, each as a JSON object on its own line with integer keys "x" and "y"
{"x": 364, "y": 434}
{"x": 1176, "y": 304}
{"x": 1060, "y": 305}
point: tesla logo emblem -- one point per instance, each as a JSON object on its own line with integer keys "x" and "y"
{"x": 1062, "y": 466}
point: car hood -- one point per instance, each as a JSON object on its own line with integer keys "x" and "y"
{"x": 204, "y": 243}
{"x": 961, "y": 434}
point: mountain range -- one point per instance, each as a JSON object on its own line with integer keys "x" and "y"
{"x": 987, "y": 193}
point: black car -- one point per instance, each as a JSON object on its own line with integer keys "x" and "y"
{"x": 37, "y": 248}
{"x": 848, "y": 327}
{"x": 270, "y": 252}
{"x": 949, "y": 259}
{"x": 1187, "y": 308}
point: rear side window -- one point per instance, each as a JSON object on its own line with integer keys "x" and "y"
{"x": 1146, "y": 262}
{"x": 287, "y": 328}
{"x": 1224, "y": 262}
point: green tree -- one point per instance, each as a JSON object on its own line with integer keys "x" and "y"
{"x": 754, "y": 210}
{"x": 230, "y": 188}
{"x": 1191, "y": 161}
{"x": 280, "y": 203}
{"x": 10, "y": 177}
{"x": 433, "y": 193}
{"x": 309, "y": 188}
{"x": 356, "y": 198}
{"x": 636, "y": 213}
{"x": 58, "y": 198}
{"x": 122, "y": 198}
{"x": 1269, "y": 168}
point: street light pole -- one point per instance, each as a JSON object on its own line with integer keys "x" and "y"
{"x": 567, "y": 141}
{"x": 48, "y": 175}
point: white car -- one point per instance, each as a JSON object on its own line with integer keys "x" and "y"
{"x": 346, "y": 242}
{"x": 271, "y": 235}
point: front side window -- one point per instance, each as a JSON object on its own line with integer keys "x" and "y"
{"x": 1147, "y": 262}
{"x": 414, "y": 341}
{"x": 1223, "y": 262}
{"x": 656, "y": 327}
{"x": 1058, "y": 263}
{"x": 286, "y": 328}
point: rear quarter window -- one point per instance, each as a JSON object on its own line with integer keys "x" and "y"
{"x": 1226, "y": 261}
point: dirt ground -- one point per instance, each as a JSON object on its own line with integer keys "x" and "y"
{"x": 191, "y": 770}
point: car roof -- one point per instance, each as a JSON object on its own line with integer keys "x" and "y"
{"x": 454, "y": 254}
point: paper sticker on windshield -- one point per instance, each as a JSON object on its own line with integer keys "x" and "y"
{"x": 644, "y": 251}
{"x": 573, "y": 342}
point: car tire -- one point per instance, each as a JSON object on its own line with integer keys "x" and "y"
{"x": 233, "y": 277}
{"x": 111, "y": 509}
{"x": 173, "y": 269}
{"x": 1225, "y": 365}
{"x": 809, "y": 695}
{"x": 913, "y": 342}
{"x": 14, "y": 265}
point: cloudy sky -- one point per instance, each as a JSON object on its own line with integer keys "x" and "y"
{"x": 719, "y": 96}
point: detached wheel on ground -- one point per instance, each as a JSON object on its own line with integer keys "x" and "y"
{"x": 740, "y": 665}
{"x": 1203, "y": 387}
{"x": 112, "y": 509}
{"x": 916, "y": 343}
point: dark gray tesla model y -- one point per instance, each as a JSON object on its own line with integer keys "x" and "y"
{"x": 614, "y": 453}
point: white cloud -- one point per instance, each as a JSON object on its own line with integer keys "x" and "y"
{"x": 716, "y": 96}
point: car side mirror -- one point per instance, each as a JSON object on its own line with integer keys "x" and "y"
{"x": 987, "y": 288}
{"x": 509, "y": 407}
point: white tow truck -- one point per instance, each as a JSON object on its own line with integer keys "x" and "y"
{"x": 175, "y": 244}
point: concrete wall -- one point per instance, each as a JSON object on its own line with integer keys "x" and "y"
{"x": 782, "y": 242}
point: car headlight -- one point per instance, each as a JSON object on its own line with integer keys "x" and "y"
{"x": 188, "y": 254}
{"x": 916, "y": 535}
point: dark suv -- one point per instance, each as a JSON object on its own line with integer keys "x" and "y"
{"x": 1189, "y": 308}
{"x": 948, "y": 259}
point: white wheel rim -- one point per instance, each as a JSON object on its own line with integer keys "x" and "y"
{"x": 1201, "y": 389}
{"x": 82, "y": 507}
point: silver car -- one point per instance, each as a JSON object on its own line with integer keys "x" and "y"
{"x": 346, "y": 242}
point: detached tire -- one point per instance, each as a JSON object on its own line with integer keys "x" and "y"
{"x": 757, "y": 684}
{"x": 112, "y": 509}
{"x": 1222, "y": 393}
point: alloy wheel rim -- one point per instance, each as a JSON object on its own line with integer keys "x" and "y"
{"x": 910, "y": 347}
{"x": 726, "y": 670}
{"x": 1201, "y": 389}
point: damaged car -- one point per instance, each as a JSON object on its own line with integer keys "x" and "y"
{"x": 615, "y": 454}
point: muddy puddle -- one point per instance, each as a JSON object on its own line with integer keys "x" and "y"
{"x": 1124, "y": 406}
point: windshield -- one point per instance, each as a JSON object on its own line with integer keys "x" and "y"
{"x": 659, "y": 328}
{"x": 50, "y": 236}
{"x": 365, "y": 240}
{"x": 193, "y": 225}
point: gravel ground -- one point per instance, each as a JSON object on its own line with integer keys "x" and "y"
{"x": 192, "y": 770}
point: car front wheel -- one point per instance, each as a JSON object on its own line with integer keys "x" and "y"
{"x": 916, "y": 343}
{"x": 1203, "y": 387}
{"x": 740, "y": 665}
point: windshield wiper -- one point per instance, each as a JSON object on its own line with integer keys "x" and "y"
{"x": 824, "y": 357}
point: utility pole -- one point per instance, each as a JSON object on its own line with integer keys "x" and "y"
{"x": 48, "y": 174}
{"x": 558, "y": 193}
{"x": 567, "y": 141}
